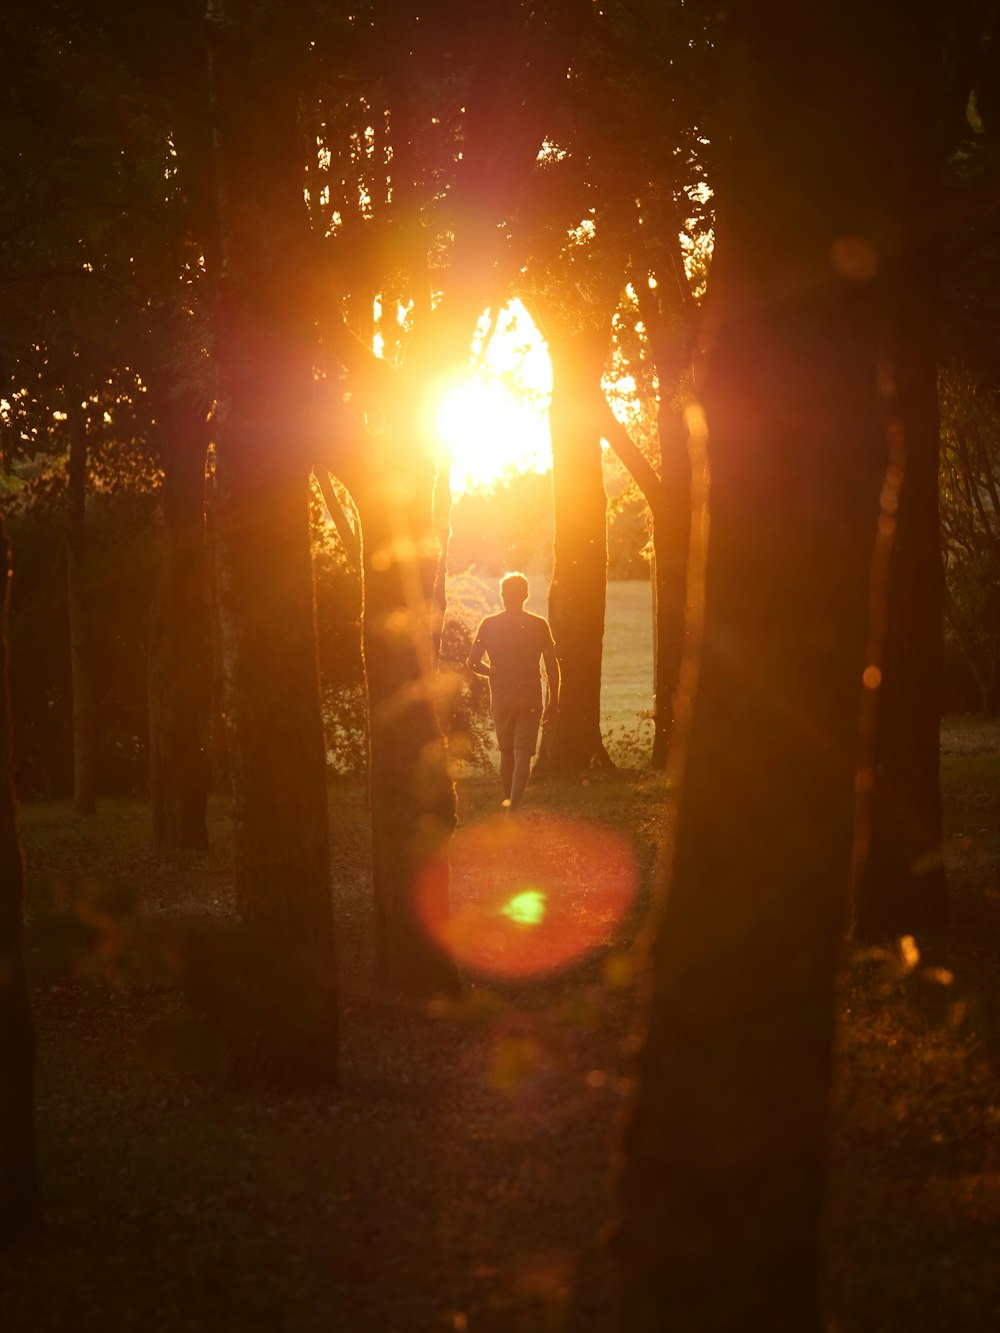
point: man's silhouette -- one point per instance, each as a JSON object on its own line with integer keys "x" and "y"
{"x": 514, "y": 640}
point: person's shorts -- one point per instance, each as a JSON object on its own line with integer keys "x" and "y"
{"x": 516, "y": 722}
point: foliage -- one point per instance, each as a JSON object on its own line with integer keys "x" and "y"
{"x": 629, "y": 744}
{"x": 464, "y": 706}
{"x": 338, "y": 634}
{"x": 508, "y": 527}
{"x": 40, "y": 685}
{"x": 92, "y": 245}
{"x": 101, "y": 284}
{"x": 970, "y": 524}
{"x": 629, "y": 529}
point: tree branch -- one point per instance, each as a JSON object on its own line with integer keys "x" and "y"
{"x": 639, "y": 467}
{"x": 349, "y": 537}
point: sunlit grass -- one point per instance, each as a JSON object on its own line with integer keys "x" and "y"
{"x": 627, "y": 672}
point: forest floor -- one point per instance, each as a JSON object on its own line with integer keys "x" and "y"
{"x": 460, "y": 1178}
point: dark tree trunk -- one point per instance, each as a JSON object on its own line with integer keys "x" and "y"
{"x": 671, "y": 319}
{"x": 671, "y": 525}
{"x": 263, "y": 446}
{"x": 723, "y": 1184}
{"x": 80, "y": 620}
{"x": 668, "y": 641}
{"x": 219, "y": 776}
{"x": 179, "y": 659}
{"x": 412, "y": 797}
{"x": 19, "y": 1204}
{"x": 904, "y": 887}
{"x": 578, "y": 592}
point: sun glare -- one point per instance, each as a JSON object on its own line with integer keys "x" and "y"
{"x": 494, "y": 418}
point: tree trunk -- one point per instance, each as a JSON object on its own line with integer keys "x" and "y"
{"x": 412, "y": 797}
{"x": 671, "y": 523}
{"x": 80, "y": 620}
{"x": 723, "y": 1184}
{"x": 219, "y": 775}
{"x": 179, "y": 661}
{"x": 578, "y": 592}
{"x": 263, "y": 448}
{"x": 667, "y": 644}
{"x": 904, "y": 886}
{"x": 670, "y": 316}
{"x": 19, "y": 1204}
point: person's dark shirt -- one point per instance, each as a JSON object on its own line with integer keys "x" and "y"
{"x": 514, "y": 641}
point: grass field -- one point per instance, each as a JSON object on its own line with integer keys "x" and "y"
{"x": 627, "y": 675}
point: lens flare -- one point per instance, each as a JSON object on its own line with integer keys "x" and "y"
{"x": 526, "y": 908}
{"x": 527, "y": 896}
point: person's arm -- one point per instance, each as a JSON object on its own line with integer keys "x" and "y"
{"x": 475, "y": 661}
{"x": 552, "y": 676}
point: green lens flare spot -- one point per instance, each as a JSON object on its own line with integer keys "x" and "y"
{"x": 526, "y": 908}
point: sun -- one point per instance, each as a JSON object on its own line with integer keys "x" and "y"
{"x": 493, "y": 419}
{"x": 490, "y": 434}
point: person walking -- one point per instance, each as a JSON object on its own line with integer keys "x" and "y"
{"x": 515, "y": 641}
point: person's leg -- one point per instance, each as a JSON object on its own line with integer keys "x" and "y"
{"x": 504, "y": 720}
{"x": 525, "y": 741}
{"x": 507, "y": 774}
{"x": 520, "y": 769}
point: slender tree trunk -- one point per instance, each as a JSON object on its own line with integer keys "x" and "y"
{"x": 723, "y": 1184}
{"x": 263, "y": 442}
{"x": 904, "y": 886}
{"x": 179, "y": 669}
{"x": 442, "y": 534}
{"x": 80, "y": 619}
{"x": 665, "y": 313}
{"x": 667, "y": 647}
{"x": 671, "y": 521}
{"x": 412, "y": 797}
{"x": 578, "y": 592}
{"x": 19, "y": 1203}
{"x": 219, "y": 775}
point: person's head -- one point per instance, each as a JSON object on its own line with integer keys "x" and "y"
{"x": 514, "y": 591}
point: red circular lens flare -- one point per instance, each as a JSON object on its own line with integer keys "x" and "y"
{"x": 527, "y": 896}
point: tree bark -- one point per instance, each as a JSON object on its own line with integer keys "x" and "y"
{"x": 412, "y": 797}
{"x": 722, "y": 1188}
{"x": 904, "y": 889}
{"x": 80, "y": 619}
{"x": 402, "y": 507}
{"x": 578, "y": 592}
{"x": 19, "y": 1201}
{"x": 671, "y": 525}
{"x": 670, "y": 316}
{"x": 263, "y": 436}
{"x": 179, "y": 670}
